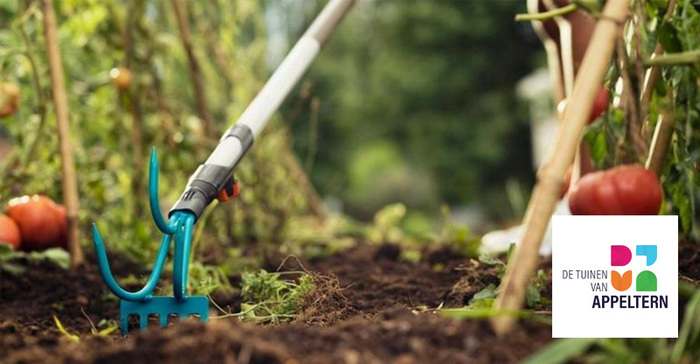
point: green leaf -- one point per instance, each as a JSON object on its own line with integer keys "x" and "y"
{"x": 478, "y": 312}
{"x": 560, "y": 351}
{"x": 5, "y": 249}
{"x": 668, "y": 37}
{"x": 488, "y": 292}
{"x": 533, "y": 296}
{"x": 597, "y": 143}
{"x": 487, "y": 259}
{"x": 57, "y": 256}
{"x": 63, "y": 330}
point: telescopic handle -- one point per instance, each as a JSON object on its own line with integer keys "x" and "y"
{"x": 212, "y": 176}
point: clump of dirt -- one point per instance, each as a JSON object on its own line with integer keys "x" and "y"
{"x": 374, "y": 278}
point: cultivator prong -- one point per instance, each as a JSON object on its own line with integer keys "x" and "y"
{"x": 164, "y": 307}
{"x": 142, "y": 303}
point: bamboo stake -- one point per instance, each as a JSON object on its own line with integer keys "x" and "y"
{"x": 662, "y": 137}
{"x": 551, "y": 174}
{"x": 58, "y": 91}
{"x": 653, "y": 73}
{"x": 180, "y": 9}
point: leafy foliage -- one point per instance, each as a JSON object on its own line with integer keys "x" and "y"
{"x": 423, "y": 92}
{"x": 9, "y": 259}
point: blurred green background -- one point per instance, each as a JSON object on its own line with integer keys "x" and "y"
{"x": 414, "y": 101}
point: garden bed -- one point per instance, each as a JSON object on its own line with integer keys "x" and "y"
{"x": 380, "y": 310}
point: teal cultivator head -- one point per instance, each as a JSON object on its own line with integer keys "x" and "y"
{"x": 212, "y": 180}
{"x": 142, "y": 303}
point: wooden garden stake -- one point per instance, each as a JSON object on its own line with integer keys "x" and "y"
{"x": 662, "y": 138}
{"x": 551, "y": 175}
{"x": 664, "y": 125}
{"x": 58, "y": 91}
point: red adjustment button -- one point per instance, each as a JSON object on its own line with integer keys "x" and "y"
{"x": 230, "y": 192}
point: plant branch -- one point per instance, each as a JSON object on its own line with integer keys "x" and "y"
{"x": 662, "y": 137}
{"x": 652, "y": 75}
{"x": 180, "y": 9}
{"x": 634, "y": 130}
{"x": 674, "y": 59}
{"x": 58, "y": 90}
{"x": 547, "y": 15}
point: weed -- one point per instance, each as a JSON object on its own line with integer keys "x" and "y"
{"x": 268, "y": 298}
{"x": 205, "y": 279}
{"x": 534, "y": 290}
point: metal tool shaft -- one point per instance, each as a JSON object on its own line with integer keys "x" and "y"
{"x": 210, "y": 177}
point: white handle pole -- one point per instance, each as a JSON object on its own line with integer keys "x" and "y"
{"x": 293, "y": 67}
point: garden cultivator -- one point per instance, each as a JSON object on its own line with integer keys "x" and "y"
{"x": 213, "y": 179}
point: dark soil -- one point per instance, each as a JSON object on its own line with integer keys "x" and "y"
{"x": 689, "y": 260}
{"x": 29, "y": 301}
{"x": 371, "y": 308}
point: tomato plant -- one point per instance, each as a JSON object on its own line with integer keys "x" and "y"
{"x": 624, "y": 133}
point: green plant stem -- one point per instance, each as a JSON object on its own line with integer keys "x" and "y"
{"x": 674, "y": 59}
{"x": 200, "y": 228}
{"x": 29, "y": 156}
{"x": 547, "y": 15}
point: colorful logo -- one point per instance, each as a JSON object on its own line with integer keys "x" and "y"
{"x": 620, "y": 256}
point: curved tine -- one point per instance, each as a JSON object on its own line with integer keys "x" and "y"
{"x": 106, "y": 272}
{"x": 153, "y": 195}
{"x": 183, "y": 244}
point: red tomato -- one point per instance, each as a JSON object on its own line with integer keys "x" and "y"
{"x": 38, "y": 221}
{"x": 624, "y": 190}
{"x": 62, "y": 219}
{"x": 600, "y": 105}
{"x": 9, "y": 232}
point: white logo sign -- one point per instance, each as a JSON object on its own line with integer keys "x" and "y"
{"x": 615, "y": 276}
